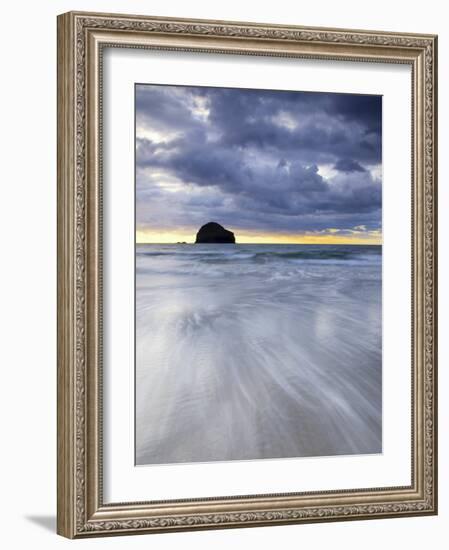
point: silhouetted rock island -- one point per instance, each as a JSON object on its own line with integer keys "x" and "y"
{"x": 213, "y": 232}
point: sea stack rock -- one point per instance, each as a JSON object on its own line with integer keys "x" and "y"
{"x": 214, "y": 233}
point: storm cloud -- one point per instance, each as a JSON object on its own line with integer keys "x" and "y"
{"x": 271, "y": 161}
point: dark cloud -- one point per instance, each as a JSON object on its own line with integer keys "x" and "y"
{"x": 257, "y": 159}
{"x": 348, "y": 165}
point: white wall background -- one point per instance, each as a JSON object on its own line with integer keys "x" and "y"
{"x": 28, "y": 271}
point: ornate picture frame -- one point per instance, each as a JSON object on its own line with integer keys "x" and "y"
{"x": 82, "y": 39}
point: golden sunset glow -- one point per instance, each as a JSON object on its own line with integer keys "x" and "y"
{"x": 329, "y": 236}
{"x": 164, "y": 237}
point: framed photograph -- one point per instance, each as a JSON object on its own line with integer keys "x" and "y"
{"x": 246, "y": 274}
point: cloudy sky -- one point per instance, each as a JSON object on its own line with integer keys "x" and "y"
{"x": 272, "y": 166}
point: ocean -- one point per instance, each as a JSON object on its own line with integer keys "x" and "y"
{"x": 248, "y": 352}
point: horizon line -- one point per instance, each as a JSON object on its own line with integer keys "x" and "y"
{"x": 331, "y": 236}
{"x": 268, "y": 243}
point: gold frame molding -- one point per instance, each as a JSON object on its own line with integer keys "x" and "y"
{"x": 81, "y": 38}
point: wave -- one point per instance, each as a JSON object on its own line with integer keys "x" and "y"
{"x": 263, "y": 254}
